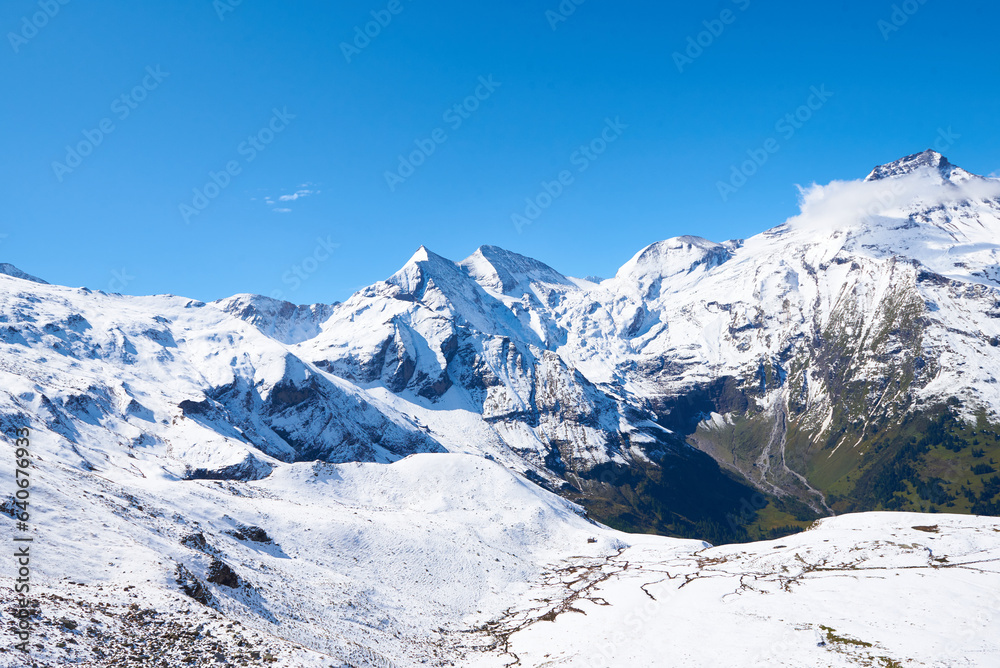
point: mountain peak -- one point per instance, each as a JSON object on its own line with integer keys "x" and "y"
{"x": 423, "y": 254}
{"x": 503, "y": 270}
{"x": 678, "y": 255}
{"x": 426, "y": 257}
{"x": 278, "y": 319}
{"x": 424, "y": 264}
{"x": 11, "y": 270}
{"x": 928, "y": 159}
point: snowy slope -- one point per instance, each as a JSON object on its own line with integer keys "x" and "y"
{"x": 875, "y": 589}
{"x": 446, "y": 559}
{"x": 348, "y": 560}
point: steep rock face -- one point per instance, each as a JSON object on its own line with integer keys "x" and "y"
{"x": 296, "y": 414}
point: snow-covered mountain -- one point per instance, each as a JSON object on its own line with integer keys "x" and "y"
{"x": 860, "y": 322}
{"x": 396, "y": 478}
{"x": 783, "y": 355}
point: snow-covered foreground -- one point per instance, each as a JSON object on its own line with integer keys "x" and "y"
{"x": 370, "y": 564}
{"x": 873, "y": 589}
{"x": 450, "y": 559}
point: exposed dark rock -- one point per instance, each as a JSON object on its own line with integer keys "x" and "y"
{"x": 195, "y": 541}
{"x": 190, "y": 407}
{"x": 250, "y": 533}
{"x": 192, "y": 586}
{"x": 251, "y": 468}
{"x": 220, "y": 573}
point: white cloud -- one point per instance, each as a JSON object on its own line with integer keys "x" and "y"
{"x": 296, "y": 195}
{"x": 843, "y": 203}
{"x": 282, "y": 210}
{"x": 304, "y": 190}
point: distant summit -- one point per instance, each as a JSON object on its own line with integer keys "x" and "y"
{"x": 507, "y": 272}
{"x": 912, "y": 163}
{"x": 11, "y": 270}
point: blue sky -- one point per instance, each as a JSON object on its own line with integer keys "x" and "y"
{"x": 586, "y": 112}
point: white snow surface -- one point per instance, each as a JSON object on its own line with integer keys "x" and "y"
{"x": 873, "y": 589}
{"x": 450, "y": 559}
